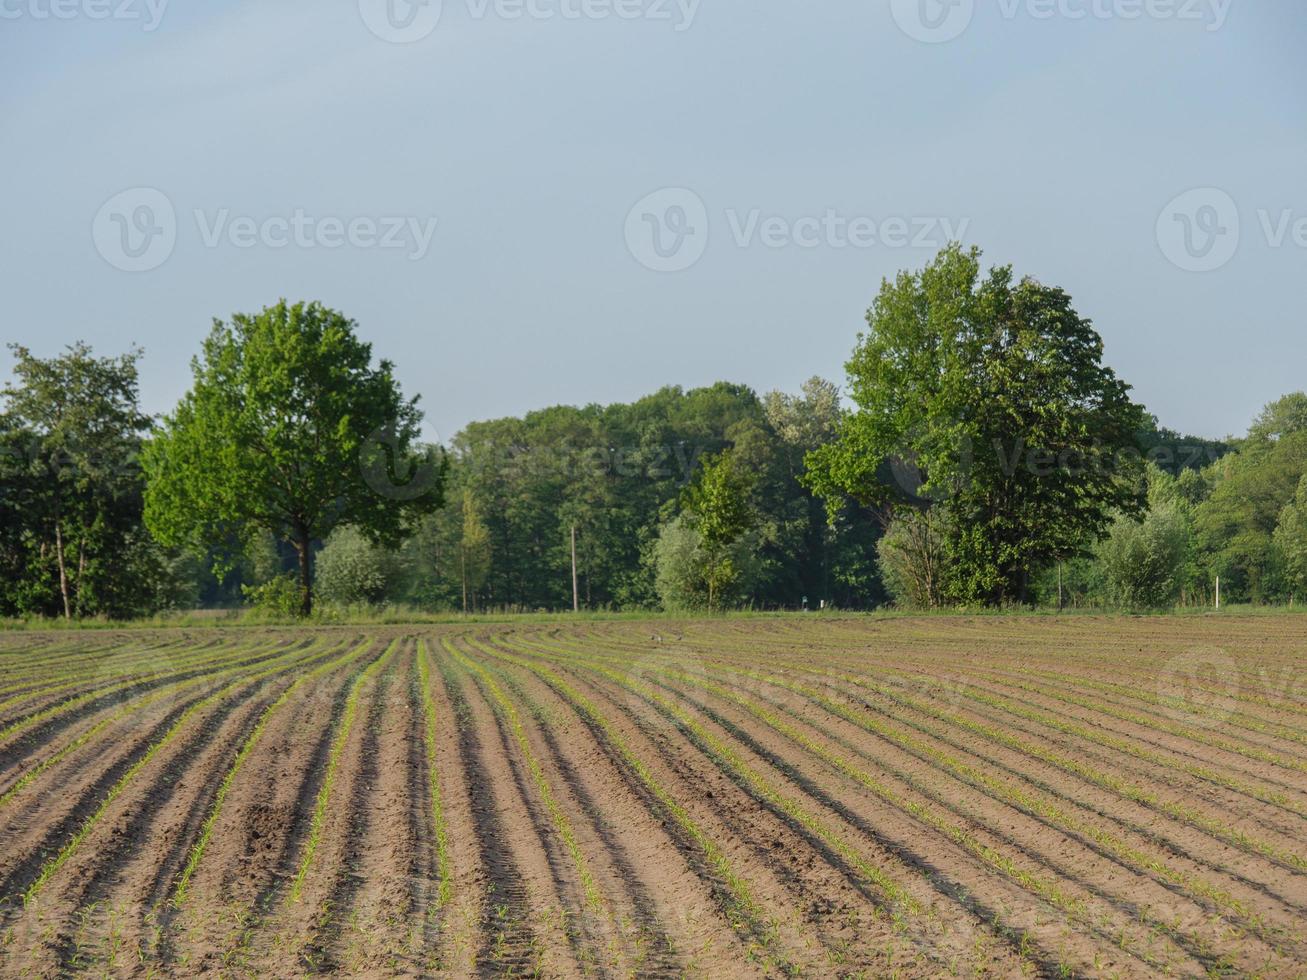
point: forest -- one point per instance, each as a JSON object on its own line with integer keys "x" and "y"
{"x": 978, "y": 454}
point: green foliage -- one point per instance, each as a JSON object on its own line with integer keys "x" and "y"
{"x": 989, "y": 458}
{"x": 616, "y": 473}
{"x": 263, "y": 560}
{"x": 473, "y": 553}
{"x": 1179, "y": 455}
{"x": 986, "y": 397}
{"x": 1291, "y": 540}
{"x": 1282, "y": 417}
{"x": 679, "y": 584}
{"x": 351, "y": 570}
{"x": 717, "y": 507}
{"x": 289, "y": 428}
{"x": 1237, "y": 521}
{"x": 70, "y": 489}
{"x": 913, "y": 557}
{"x": 279, "y": 597}
{"x": 680, "y": 569}
{"x": 1146, "y": 563}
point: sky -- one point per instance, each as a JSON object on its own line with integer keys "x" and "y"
{"x": 531, "y": 202}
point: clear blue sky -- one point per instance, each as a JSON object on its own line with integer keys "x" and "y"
{"x": 1054, "y": 141}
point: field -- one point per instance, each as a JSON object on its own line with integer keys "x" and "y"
{"x": 739, "y": 797}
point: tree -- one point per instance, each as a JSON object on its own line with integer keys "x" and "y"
{"x": 717, "y": 503}
{"x": 288, "y": 427}
{"x": 987, "y": 397}
{"x": 72, "y": 491}
{"x": 1143, "y": 560}
{"x": 1236, "y": 522}
{"x": 808, "y": 420}
{"x": 677, "y": 569}
{"x": 1282, "y": 417}
{"x": 804, "y": 556}
{"x": 1291, "y": 539}
{"x": 912, "y": 557}
{"x": 680, "y": 566}
{"x": 473, "y": 552}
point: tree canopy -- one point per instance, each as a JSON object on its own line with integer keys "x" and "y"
{"x": 988, "y": 397}
{"x": 290, "y": 428}
{"x": 70, "y": 497}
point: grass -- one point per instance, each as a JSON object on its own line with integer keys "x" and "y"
{"x": 395, "y": 615}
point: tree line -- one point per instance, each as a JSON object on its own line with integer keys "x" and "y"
{"x": 980, "y": 454}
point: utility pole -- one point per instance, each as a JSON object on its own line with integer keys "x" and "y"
{"x": 576, "y": 596}
{"x": 1218, "y": 592}
{"x": 1059, "y": 586}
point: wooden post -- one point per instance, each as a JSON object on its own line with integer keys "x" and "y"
{"x": 576, "y": 595}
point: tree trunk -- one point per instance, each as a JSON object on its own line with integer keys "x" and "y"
{"x": 463, "y": 553}
{"x": 63, "y": 570}
{"x": 302, "y": 547}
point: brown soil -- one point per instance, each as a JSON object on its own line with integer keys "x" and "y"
{"x": 934, "y": 816}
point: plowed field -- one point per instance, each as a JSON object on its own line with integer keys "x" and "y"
{"x": 829, "y": 797}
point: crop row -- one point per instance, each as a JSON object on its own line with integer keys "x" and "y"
{"x": 52, "y": 866}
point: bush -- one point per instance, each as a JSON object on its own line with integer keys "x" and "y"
{"x": 679, "y": 577}
{"x": 1144, "y": 562}
{"x": 352, "y": 571}
{"x": 279, "y": 597}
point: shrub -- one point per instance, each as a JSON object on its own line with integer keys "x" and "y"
{"x": 353, "y": 571}
{"x": 279, "y": 596}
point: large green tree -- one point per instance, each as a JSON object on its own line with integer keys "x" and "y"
{"x": 290, "y": 428}
{"x": 986, "y": 396}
